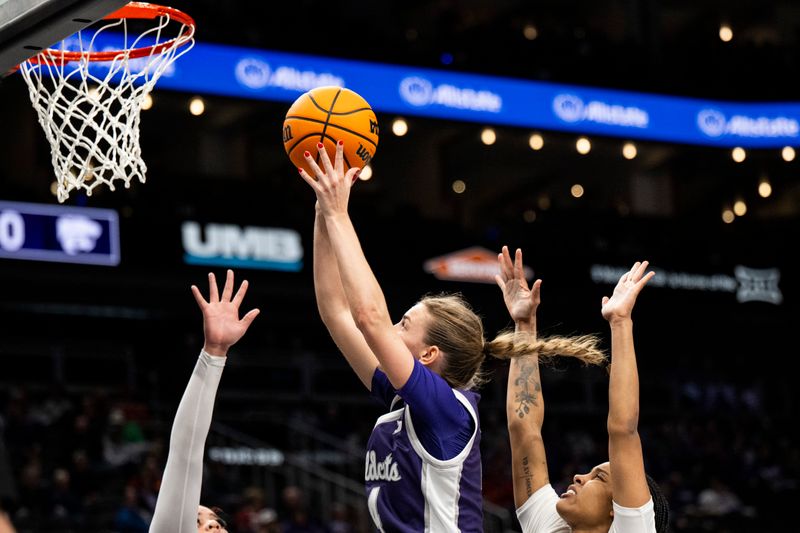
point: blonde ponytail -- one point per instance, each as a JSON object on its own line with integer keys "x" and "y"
{"x": 458, "y": 332}
{"x": 512, "y": 344}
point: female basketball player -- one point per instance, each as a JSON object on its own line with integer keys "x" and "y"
{"x": 178, "y": 508}
{"x": 423, "y": 470}
{"x": 616, "y": 496}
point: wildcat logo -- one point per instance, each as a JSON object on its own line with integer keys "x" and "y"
{"x": 77, "y": 233}
{"x": 385, "y": 470}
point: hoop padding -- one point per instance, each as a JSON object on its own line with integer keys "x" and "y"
{"x": 89, "y": 102}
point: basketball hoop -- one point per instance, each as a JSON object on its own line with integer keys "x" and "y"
{"x": 89, "y": 101}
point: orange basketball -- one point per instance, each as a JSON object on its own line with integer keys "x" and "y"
{"x": 327, "y": 115}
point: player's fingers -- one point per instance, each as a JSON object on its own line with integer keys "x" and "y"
{"x": 313, "y": 166}
{"x": 508, "y": 265}
{"x": 338, "y": 164}
{"x": 642, "y": 282}
{"x": 237, "y": 300}
{"x": 352, "y": 175}
{"x": 642, "y": 268}
{"x": 500, "y": 282}
{"x": 249, "y": 317}
{"x": 536, "y": 290}
{"x": 199, "y": 297}
{"x": 326, "y": 161}
{"x": 633, "y": 271}
{"x": 500, "y": 265}
{"x": 308, "y": 179}
{"x": 213, "y": 292}
{"x": 227, "y": 290}
{"x": 518, "y": 271}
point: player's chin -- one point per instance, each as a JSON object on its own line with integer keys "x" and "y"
{"x": 565, "y": 506}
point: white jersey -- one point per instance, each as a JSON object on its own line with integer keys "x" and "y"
{"x": 179, "y": 497}
{"x": 538, "y": 515}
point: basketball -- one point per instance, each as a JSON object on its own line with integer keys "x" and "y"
{"x": 327, "y": 115}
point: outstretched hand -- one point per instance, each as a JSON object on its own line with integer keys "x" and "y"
{"x": 330, "y": 183}
{"x": 221, "y": 323}
{"x": 520, "y": 300}
{"x": 620, "y": 305}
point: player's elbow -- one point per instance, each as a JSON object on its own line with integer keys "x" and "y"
{"x": 526, "y": 428}
{"x": 623, "y": 425}
{"x": 329, "y": 305}
{"x": 333, "y": 320}
{"x": 327, "y": 312}
{"x": 367, "y": 317}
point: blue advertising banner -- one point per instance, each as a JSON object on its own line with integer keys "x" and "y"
{"x": 62, "y": 234}
{"x": 267, "y": 75}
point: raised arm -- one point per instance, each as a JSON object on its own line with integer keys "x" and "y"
{"x": 179, "y": 496}
{"x": 629, "y": 484}
{"x": 334, "y": 309}
{"x": 364, "y": 295}
{"x": 524, "y": 401}
{"x": 5, "y": 523}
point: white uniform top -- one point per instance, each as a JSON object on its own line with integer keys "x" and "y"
{"x": 538, "y": 515}
{"x": 179, "y": 497}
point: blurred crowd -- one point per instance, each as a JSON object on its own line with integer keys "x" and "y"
{"x": 92, "y": 461}
{"x": 725, "y": 463}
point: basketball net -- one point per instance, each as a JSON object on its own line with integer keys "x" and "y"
{"x": 90, "y": 116}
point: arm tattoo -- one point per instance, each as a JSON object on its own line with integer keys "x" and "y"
{"x": 529, "y": 385}
{"x": 526, "y": 471}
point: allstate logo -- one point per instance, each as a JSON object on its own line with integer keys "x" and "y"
{"x": 568, "y": 107}
{"x": 416, "y": 91}
{"x": 711, "y": 122}
{"x": 253, "y": 73}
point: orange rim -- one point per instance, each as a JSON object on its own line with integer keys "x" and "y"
{"x": 134, "y": 10}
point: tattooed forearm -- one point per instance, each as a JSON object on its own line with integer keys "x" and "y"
{"x": 528, "y": 387}
{"x": 526, "y": 473}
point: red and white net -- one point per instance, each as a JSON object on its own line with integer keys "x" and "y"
{"x": 89, "y": 102}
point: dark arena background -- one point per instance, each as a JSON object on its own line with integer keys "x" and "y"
{"x": 663, "y": 131}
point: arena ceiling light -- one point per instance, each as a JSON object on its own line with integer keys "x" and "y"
{"x": 764, "y": 188}
{"x": 629, "y": 151}
{"x": 399, "y": 127}
{"x": 536, "y": 141}
{"x": 725, "y": 33}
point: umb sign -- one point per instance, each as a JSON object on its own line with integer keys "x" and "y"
{"x": 476, "y": 265}
{"x": 237, "y": 246}
{"x": 62, "y": 234}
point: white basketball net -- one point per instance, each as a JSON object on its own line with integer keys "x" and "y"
{"x": 91, "y": 116}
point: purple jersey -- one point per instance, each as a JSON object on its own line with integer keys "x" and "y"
{"x": 409, "y": 490}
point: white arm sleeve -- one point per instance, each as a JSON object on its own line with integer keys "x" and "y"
{"x": 634, "y": 520}
{"x": 176, "y": 507}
